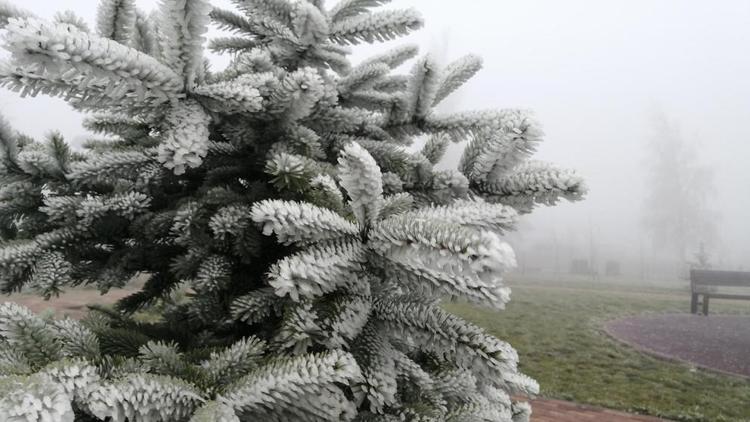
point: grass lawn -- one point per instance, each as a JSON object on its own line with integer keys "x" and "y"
{"x": 556, "y": 329}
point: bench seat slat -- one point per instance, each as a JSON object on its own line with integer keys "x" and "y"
{"x": 726, "y": 296}
{"x": 720, "y": 278}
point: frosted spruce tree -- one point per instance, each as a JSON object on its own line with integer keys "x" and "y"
{"x": 314, "y": 246}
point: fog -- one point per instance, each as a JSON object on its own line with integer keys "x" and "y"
{"x": 598, "y": 75}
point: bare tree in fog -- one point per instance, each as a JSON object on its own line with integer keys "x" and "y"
{"x": 677, "y": 215}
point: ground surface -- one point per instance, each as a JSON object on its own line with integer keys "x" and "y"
{"x": 558, "y": 332}
{"x": 71, "y": 303}
{"x": 718, "y": 342}
{"x": 545, "y": 410}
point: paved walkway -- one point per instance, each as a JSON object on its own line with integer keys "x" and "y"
{"x": 719, "y": 342}
{"x": 544, "y": 410}
{"x": 71, "y": 303}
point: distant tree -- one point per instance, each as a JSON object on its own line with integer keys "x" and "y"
{"x": 702, "y": 258}
{"x": 676, "y": 213}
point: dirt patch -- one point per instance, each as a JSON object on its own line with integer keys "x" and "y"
{"x": 71, "y": 303}
{"x": 717, "y": 342}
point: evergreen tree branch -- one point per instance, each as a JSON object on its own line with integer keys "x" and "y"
{"x": 378, "y": 26}
{"x": 9, "y": 11}
{"x": 294, "y": 222}
{"x": 84, "y": 69}
{"x": 116, "y": 20}
{"x": 536, "y": 183}
{"x": 348, "y": 8}
{"x": 280, "y": 386}
{"x": 456, "y": 74}
{"x": 182, "y": 26}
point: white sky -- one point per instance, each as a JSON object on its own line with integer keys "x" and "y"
{"x": 594, "y": 72}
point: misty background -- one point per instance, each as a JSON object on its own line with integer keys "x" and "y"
{"x": 632, "y": 94}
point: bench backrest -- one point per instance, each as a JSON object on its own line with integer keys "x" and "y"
{"x": 719, "y": 278}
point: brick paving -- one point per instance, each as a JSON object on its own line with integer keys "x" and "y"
{"x": 72, "y": 303}
{"x": 544, "y": 410}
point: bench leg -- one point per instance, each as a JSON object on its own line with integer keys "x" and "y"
{"x": 694, "y": 304}
{"x": 705, "y": 305}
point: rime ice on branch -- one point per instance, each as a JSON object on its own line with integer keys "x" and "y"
{"x": 296, "y": 249}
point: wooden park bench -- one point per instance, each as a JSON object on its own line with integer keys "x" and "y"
{"x": 704, "y": 284}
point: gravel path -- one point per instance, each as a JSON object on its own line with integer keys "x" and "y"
{"x": 716, "y": 342}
